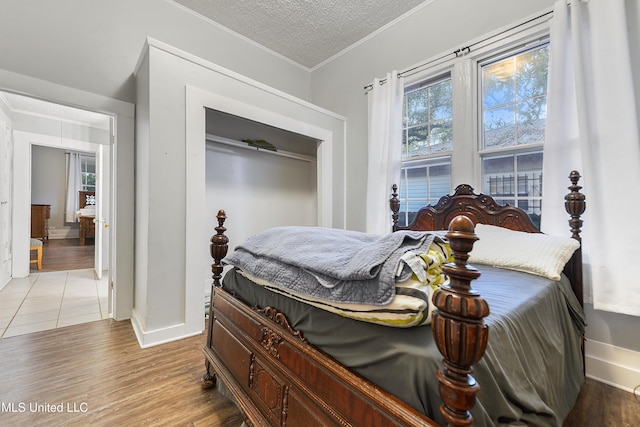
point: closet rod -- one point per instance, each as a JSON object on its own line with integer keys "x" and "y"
{"x": 235, "y": 143}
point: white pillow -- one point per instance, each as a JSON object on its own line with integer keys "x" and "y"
{"x": 534, "y": 253}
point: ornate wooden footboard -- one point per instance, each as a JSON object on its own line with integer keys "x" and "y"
{"x": 277, "y": 378}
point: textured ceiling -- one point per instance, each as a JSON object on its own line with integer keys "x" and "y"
{"x": 306, "y": 31}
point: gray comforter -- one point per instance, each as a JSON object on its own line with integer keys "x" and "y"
{"x": 335, "y": 265}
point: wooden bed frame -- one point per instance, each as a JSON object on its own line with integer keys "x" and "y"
{"x": 277, "y": 378}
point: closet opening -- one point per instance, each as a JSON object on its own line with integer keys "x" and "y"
{"x": 254, "y": 167}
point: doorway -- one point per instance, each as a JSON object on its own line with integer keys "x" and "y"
{"x": 40, "y": 129}
{"x": 50, "y": 187}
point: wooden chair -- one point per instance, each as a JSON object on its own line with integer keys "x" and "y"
{"x": 36, "y": 245}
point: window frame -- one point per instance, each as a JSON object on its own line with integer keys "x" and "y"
{"x": 422, "y": 162}
{"x": 85, "y": 159}
{"x": 464, "y": 70}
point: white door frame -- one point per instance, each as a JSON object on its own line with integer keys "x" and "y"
{"x": 6, "y": 175}
{"x": 99, "y": 219}
{"x": 23, "y": 141}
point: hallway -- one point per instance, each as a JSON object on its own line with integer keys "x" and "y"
{"x": 52, "y": 300}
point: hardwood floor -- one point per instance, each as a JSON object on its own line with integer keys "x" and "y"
{"x": 101, "y": 377}
{"x": 66, "y": 254}
{"x": 98, "y": 375}
{"x": 603, "y": 405}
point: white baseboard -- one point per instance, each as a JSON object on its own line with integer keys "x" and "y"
{"x": 159, "y": 336}
{"x": 63, "y": 233}
{"x": 616, "y": 366}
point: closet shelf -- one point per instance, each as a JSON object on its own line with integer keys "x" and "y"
{"x": 235, "y": 143}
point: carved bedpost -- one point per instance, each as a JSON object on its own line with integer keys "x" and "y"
{"x": 458, "y": 327}
{"x": 218, "y": 249}
{"x": 575, "y": 205}
{"x": 394, "y": 203}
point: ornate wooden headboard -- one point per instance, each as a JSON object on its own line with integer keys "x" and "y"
{"x": 86, "y": 198}
{"x": 480, "y": 208}
{"x": 483, "y": 209}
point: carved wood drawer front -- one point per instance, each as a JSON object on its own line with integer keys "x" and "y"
{"x": 277, "y": 399}
{"x": 303, "y": 412}
{"x": 270, "y": 389}
{"x": 233, "y": 352}
{"x": 224, "y": 309}
{"x": 283, "y": 402}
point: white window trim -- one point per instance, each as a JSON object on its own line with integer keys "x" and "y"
{"x": 466, "y": 161}
{"x": 82, "y": 172}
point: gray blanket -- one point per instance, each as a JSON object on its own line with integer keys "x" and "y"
{"x": 336, "y": 265}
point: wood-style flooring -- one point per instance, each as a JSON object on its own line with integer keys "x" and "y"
{"x": 98, "y": 375}
{"x": 65, "y": 254}
{"x": 601, "y": 405}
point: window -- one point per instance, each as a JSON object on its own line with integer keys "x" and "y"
{"x": 514, "y": 107}
{"x": 88, "y": 172}
{"x": 422, "y": 183}
{"x": 427, "y": 141}
{"x": 478, "y": 119}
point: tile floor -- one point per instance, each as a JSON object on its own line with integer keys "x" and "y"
{"x": 52, "y": 300}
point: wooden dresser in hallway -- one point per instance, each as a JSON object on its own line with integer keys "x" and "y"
{"x": 40, "y": 215}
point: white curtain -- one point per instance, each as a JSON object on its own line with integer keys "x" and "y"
{"x": 74, "y": 185}
{"x": 384, "y": 150}
{"x": 593, "y": 126}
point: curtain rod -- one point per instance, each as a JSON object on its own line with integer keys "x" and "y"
{"x": 459, "y": 52}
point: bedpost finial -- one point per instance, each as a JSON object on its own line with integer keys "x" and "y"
{"x": 575, "y": 205}
{"x": 462, "y": 223}
{"x": 219, "y": 247}
{"x": 574, "y": 177}
{"x": 222, "y": 216}
{"x": 461, "y": 237}
{"x": 394, "y": 203}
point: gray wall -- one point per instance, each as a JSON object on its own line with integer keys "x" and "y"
{"x": 94, "y": 45}
{"x": 48, "y": 181}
